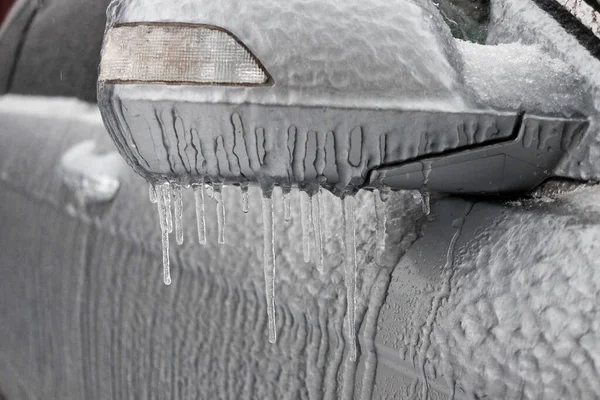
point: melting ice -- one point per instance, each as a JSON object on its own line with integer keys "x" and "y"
{"x": 312, "y": 234}
{"x": 200, "y": 220}
{"x": 350, "y": 270}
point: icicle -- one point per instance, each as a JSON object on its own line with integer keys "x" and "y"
{"x": 350, "y": 269}
{"x": 325, "y": 228}
{"x": 167, "y": 199}
{"x": 315, "y": 204}
{"x": 424, "y": 190}
{"x": 384, "y": 193}
{"x": 426, "y": 172}
{"x": 200, "y": 220}
{"x": 425, "y": 201}
{"x": 269, "y": 262}
{"x": 162, "y": 216}
{"x": 245, "y": 199}
{"x": 218, "y": 194}
{"x": 287, "y": 204}
{"x": 210, "y": 190}
{"x": 306, "y": 221}
{"x": 380, "y": 217}
{"x": 152, "y": 193}
{"x": 178, "y": 213}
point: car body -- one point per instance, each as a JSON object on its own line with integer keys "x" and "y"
{"x": 483, "y": 298}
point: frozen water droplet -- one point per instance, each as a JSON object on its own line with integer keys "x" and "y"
{"x": 218, "y": 195}
{"x": 200, "y": 220}
{"x": 269, "y": 263}
{"x": 152, "y": 194}
{"x": 380, "y": 217}
{"x": 350, "y": 270}
{"x": 384, "y": 193}
{"x": 426, "y": 172}
{"x": 425, "y": 201}
{"x": 287, "y": 205}
{"x": 315, "y": 204}
{"x": 166, "y": 191}
{"x": 91, "y": 176}
{"x": 424, "y": 190}
{"x": 162, "y": 216}
{"x": 245, "y": 197}
{"x": 305, "y": 210}
{"x": 178, "y": 213}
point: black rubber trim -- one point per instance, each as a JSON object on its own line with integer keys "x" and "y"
{"x": 19, "y": 50}
{"x": 572, "y": 25}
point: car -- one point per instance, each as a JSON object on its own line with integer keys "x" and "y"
{"x": 486, "y": 296}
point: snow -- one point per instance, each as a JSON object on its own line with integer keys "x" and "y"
{"x": 515, "y": 76}
{"x": 523, "y": 22}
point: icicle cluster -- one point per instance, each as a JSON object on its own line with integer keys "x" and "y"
{"x": 312, "y": 235}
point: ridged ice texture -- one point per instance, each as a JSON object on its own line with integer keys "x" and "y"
{"x": 522, "y": 318}
{"x": 186, "y": 142}
{"x": 87, "y": 316}
{"x": 388, "y": 52}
